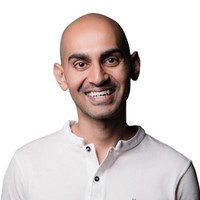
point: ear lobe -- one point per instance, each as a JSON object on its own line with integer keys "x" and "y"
{"x": 60, "y": 77}
{"x": 135, "y": 61}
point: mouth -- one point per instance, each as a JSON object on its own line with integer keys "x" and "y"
{"x": 102, "y": 97}
{"x": 99, "y": 94}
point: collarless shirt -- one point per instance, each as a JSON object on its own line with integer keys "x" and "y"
{"x": 61, "y": 166}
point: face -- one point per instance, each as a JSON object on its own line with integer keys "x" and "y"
{"x": 95, "y": 71}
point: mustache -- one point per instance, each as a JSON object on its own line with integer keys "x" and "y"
{"x": 103, "y": 86}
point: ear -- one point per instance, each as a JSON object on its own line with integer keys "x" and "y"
{"x": 60, "y": 76}
{"x": 135, "y": 61}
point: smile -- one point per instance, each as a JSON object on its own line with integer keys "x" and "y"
{"x": 99, "y": 94}
{"x": 103, "y": 97}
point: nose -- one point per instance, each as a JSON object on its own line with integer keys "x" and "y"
{"x": 97, "y": 75}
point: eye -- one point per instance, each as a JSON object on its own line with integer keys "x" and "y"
{"x": 80, "y": 65}
{"x": 112, "y": 61}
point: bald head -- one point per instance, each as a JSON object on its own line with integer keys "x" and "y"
{"x": 94, "y": 40}
{"x": 93, "y": 25}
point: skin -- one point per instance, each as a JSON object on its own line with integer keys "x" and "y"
{"x": 96, "y": 67}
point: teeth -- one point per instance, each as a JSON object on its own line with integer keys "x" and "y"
{"x": 98, "y": 94}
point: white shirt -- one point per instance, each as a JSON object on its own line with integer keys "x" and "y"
{"x": 61, "y": 167}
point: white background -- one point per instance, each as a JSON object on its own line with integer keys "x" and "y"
{"x": 165, "y": 100}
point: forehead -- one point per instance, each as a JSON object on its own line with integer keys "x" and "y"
{"x": 89, "y": 36}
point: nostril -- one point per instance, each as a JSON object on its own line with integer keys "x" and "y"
{"x": 103, "y": 82}
{"x": 98, "y": 78}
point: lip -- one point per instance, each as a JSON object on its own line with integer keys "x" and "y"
{"x": 101, "y": 97}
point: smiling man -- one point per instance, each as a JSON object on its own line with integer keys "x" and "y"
{"x": 99, "y": 157}
{"x": 96, "y": 68}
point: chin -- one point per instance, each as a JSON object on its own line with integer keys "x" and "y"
{"x": 105, "y": 114}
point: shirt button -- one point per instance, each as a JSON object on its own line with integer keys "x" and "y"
{"x": 96, "y": 178}
{"x": 88, "y": 148}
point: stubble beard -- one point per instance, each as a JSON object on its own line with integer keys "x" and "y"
{"x": 118, "y": 112}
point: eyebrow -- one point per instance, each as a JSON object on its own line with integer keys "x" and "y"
{"x": 110, "y": 52}
{"x": 80, "y": 56}
{"x": 103, "y": 55}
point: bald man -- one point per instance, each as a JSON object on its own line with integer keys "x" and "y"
{"x": 99, "y": 157}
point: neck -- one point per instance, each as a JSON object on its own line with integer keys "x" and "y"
{"x": 103, "y": 133}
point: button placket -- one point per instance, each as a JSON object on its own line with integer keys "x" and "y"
{"x": 96, "y": 181}
{"x": 91, "y": 160}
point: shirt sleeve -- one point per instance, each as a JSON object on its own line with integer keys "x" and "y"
{"x": 13, "y": 184}
{"x": 188, "y": 187}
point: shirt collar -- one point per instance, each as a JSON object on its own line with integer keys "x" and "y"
{"x": 71, "y": 136}
{"x": 122, "y": 145}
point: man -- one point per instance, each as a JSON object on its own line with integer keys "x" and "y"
{"x": 99, "y": 157}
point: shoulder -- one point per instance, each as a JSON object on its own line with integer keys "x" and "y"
{"x": 165, "y": 155}
{"x": 169, "y": 166}
{"x": 46, "y": 141}
{"x": 164, "y": 150}
{"x": 43, "y": 146}
{"x": 53, "y": 139}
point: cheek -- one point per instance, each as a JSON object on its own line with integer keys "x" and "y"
{"x": 121, "y": 75}
{"x": 74, "y": 80}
